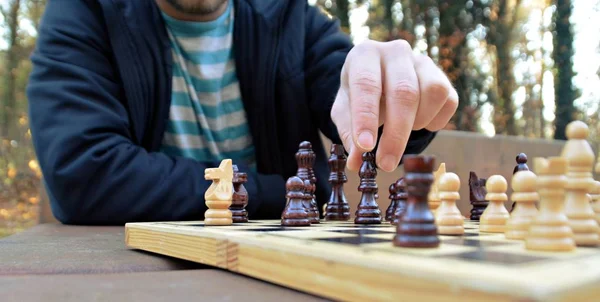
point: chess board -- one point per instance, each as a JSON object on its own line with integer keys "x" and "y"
{"x": 349, "y": 262}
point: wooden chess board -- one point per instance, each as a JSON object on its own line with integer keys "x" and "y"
{"x": 349, "y": 262}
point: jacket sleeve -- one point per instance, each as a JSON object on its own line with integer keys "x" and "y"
{"x": 327, "y": 47}
{"x": 93, "y": 172}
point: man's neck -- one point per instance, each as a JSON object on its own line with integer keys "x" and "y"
{"x": 179, "y": 15}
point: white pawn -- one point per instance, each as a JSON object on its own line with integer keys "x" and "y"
{"x": 525, "y": 196}
{"x": 493, "y": 219}
{"x": 433, "y": 198}
{"x": 549, "y": 230}
{"x": 580, "y": 161}
{"x": 447, "y": 216}
{"x": 595, "y": 200}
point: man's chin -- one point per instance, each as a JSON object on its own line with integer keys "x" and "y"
{"x": 196, "y": 7}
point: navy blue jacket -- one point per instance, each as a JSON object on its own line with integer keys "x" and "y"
{"x": 100, "y": 91}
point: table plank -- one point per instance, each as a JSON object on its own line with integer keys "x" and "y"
{"x": 60, "y": 249}
{"x": 182, "y": 285}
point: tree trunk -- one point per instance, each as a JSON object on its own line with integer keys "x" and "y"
{"x": 407, "y": 31}
{"x": 431, "y": 33}
{"x": 504, "y": 111}
{"x": 500, "y": 36}
{"x": 11, "y": 62}
{"x": 563, "y": 52}
{"x": 388, "y": 19}
{"x": 453, "y": 59}
{"x": 342, "y": 14}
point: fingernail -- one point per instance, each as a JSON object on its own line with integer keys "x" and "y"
{"x": 365, "y": 140}
{"x": 388, "y": 163}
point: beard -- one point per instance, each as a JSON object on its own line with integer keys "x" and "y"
{"x": 197, "y": 7}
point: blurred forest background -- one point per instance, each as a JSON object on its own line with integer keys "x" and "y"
{"x": 521, "y": 67}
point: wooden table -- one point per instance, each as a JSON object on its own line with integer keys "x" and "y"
{"x": 53, "y": 262}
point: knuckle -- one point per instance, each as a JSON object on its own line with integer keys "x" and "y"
{"x": 438, "y": 92}
{"x": 401, "y": 46}
{"x": 438, "y": 123}
{"x": 405, "y": 92}
{"x": 335, "y": 110}
{"x": 367, "y": 116}
{"x": 419, "y": 125}
{"x": 421, "y": 59}
{"x": 367, "y": 108}
{"x": 333, "y": 115}
{"x": 453, "y": 104}
{"x": 346, "y": 136}
{"x": 396, "y": 137}
{"x": 368, "y": 83}
{"x": 361, "y": 48}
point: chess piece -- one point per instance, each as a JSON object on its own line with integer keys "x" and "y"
{"x": 433, "y": 198}
{"x": 314, "y": 215}
{"x": 239, "y": 199}
{"x": 521, "y": 166}
{"x": 400, "y": 196}
{"x": 368, "y": 210}
{"x": 308, "y": 197}
{"x": 521, "y": 160}
{"x": 337, "y": 208}
{"x": 391, "y": 210}
{"x": 305, "y": 159}
{"x": 550, "y": 230}
{"x": 525, "y": 195}
{"x": 295, "y": 213}
{"x": 416, "y": 227}
{"x": 580, "y": 161}
{"x": 595, "y": 200}
{"x": 447, "y": 217}
{"x": 493, "y": 219}
{"x": 597, "y": 167}
{"x": 219, "y": 195}
{"x": 477, "y": 194}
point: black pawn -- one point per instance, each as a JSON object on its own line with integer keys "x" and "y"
{"x": 400, "y": 196}
{"x": 416, "y": 227}
{"x": 391, "y": 210}
{"x": 295, "y": 213}
{"x": 305, "y": 158}
{"x": 521, "y": 166}
{"x": 368, "y": 211}
{"x": 239, "y": 200}
{"x": 308, "y": 198}
{"x": 521, "y": 163}
{"x": 338, "y": 208}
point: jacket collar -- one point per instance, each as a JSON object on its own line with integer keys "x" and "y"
{"x": 270, "y": 10}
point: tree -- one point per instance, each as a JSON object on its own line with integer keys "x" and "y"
{"x": 562, "y": 54}
{"x": 455, "y": 23}
{"x": 11, "y": 61}
{"x": 342, "y": 14}
{"x": 501, "y": 18}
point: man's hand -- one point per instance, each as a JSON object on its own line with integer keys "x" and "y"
{"x": 386, "y": 84}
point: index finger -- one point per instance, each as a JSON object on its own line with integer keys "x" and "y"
{"x": 364, "y": 87}
{"x": 401, "y": 90}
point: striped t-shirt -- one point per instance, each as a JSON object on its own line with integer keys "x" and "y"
{"x": 207, "y": 121}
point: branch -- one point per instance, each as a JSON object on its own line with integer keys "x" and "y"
{"x": 3, "y": 12}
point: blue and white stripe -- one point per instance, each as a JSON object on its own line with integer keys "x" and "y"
{"x": 207, "y": 120}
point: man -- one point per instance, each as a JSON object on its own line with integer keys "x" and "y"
{"x": 131, "y": 100}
